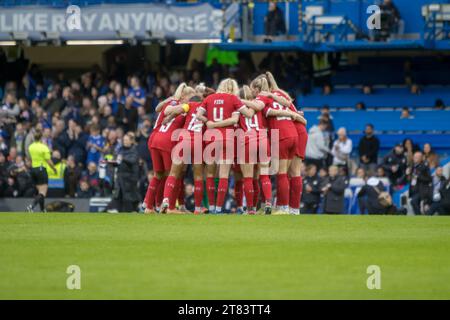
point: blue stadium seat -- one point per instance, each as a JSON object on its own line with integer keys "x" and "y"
{"x": 423, "y": 121}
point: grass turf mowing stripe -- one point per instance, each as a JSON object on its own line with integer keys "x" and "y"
{"x": 132, "y": 256}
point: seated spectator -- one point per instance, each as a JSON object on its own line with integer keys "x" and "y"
{"x": 431, "y": 158}
{"x": 274, "y": 21}
{"x": 333, "y": 190}
{"x": 85, "y": 190}
{"x": 381, "y": 173}
{"x": 20, "y": 173}
{"x": 395, "y": 164}
{"x": 415, "y": 89}
{"x": 410, "y": 148}
{"x": 360, "y": 106}
{"x": 439, "y": 104}
{"x": 361, "y": 174}
{"x": 92, "y": 177}
{"x": 326, "y": 91}
{"x": 342, "y": 148}
{"x": 311, "y": 190}
{"x": 406, "y": 114}
{"x": 367, "y": 90}
{"x": 368, "y": 197}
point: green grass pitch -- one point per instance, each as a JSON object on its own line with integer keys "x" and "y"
{"x": 135, "y": 256}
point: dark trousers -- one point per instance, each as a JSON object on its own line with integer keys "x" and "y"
{"x": 415, "y": 203}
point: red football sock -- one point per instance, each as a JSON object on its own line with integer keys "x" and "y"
{"x": 221, "y": 192}
{"x": 249, "y": 192}
{"x": 170, "y": 189}
{"x": 211, "y": 191}
{"x": 296, "y": 188}
{"x": 160, "y": 192}
{"x": 256, "y": 190}
{"x": 198, "y": 193}
{"x": 238, "y": 193}
{"x": 266, "y": 186}
{"x": 151, "y": 193}
{"x": 282, "y": 190}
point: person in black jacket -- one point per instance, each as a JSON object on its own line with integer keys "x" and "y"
{"x": 444, "y": 208}
{"x": 371, "y": 191}
{"x": 394, "y": 164}
{"x": 334, "y": 192}
{"x": 274, "y": 21}
{"x": 439, "y": 182}
{"x": 368, "y": 150}
{"x": 126, "y": 193}
{"x": 421, "y": 183}
{"x": 311, "y": 190}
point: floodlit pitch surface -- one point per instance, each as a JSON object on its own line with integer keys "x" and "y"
{"x": 135, "y": 256}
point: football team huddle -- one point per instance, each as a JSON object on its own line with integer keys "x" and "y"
{"x": 255, "y": 131}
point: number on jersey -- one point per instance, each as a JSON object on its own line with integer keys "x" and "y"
{"x": 195, "y": 125}
{"x": 217, "y": 114}
{"x": 252, "y": 123}
{"x": 278, "y": 106}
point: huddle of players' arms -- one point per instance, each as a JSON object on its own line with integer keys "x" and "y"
{"x": 246, "y": 130}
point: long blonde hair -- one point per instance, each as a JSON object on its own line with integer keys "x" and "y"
{"x": 260, "y": 83}
{"x": 273, "y": 84}
{"x": 183, "y": 90}
{"x": 228, "y": 86}
{"x": 245, "y": 93}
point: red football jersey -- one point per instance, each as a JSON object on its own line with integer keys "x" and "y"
{"x": 192, "y": 124}
{"x": 221, "y": 106}
{"x": 258, "y": 121}
{"x": 162, "y": 133}
{"x": 285, "y": 125}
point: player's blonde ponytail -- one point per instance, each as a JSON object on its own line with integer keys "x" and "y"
{"x": 271, "y": 80}
{"x": 273, "y": 84}
{"x": 260, "y": 84}
{"x": 179, "y": 91}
